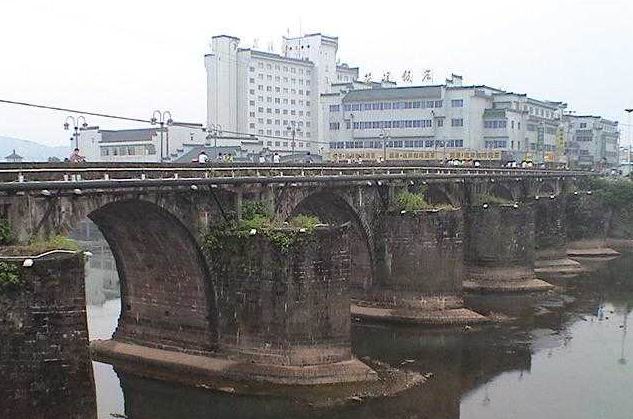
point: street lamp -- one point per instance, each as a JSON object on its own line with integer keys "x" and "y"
{"x": 628, "y": 129}
{"x": 293, "y": 131}
{"x": 384, "y": 135}
{"x": 162, "y": 118}
{"x": 213, "y": 131}
{"x": 75, "y": 121}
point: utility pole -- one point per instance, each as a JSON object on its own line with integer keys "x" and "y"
{"x": 164, "y": 118}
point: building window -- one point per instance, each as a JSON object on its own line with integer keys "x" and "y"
{"x": 335, "y": 126}
{"x": 583, "y": 125}
{"x": 457, "y": 103}
{"x": 335, "y": 108}
{"x": 457, "y": 122}
{"x": 439, "y": 123}
{"x": 251, "y": 125}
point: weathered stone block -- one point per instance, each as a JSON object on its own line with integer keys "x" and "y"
{"x": 44, "y": 358}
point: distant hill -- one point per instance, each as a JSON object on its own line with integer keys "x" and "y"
{"x": 30, "y": 150}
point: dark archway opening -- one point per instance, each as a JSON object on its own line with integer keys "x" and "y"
{"x": 167, "y": 300}
{"x": 502, "y": 191}
{"x": 437, "y": 195}
{"x": 332, "y": 209}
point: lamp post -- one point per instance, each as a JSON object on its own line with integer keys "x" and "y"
{"x": 384, "y": 135}
{"x": 75, "y": 122}
{"x": 628, "y": 131}
{"x": 293, "y": 131}
{"x": 162, "y": 118}
{"x": 213, "y": 131}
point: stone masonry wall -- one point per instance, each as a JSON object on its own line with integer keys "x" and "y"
{"x": 423, "y": 258}
{"x": 587, "y": 220}
{"x": 285, "y": 308}
{"x": 499, "y": 242}
{"x": 550, "y": 228}
{"x": 44, "y": 360}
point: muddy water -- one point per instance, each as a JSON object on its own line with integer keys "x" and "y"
{"x": 565, "y": 354}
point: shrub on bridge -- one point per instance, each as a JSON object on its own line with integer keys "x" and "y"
{"x": 10, "y": 276}
{"x": 6, "y": 234}
{"x": 256, "y": 217}
{"x": 410, "y": 201}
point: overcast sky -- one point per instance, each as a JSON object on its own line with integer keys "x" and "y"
{"x": 131, "y": 57}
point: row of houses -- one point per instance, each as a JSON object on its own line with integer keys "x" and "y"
{"x": 305, "y": 100}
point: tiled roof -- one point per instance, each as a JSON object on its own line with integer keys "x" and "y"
{"x": 141, "y": 134}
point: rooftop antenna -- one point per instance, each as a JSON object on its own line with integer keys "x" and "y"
{"x": 271, "y": 46}
{"x": 255, "y": 43}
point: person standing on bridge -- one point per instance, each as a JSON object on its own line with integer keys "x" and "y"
{"x": 75, "y": 157}
{"x": 276, "y": 158}
{"x": 202, "y": 157}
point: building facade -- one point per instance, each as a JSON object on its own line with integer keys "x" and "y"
{"x": 443, "y": 122}
{"x": 594, "y": 141}
{"x": 273, "y": 96}
{"x": 139, "y": 145}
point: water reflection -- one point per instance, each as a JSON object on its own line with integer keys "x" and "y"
{"x": 561, "y": 355}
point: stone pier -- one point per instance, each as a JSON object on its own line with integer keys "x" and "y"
{"x": 422, "y": 275}
{"x": 44, "y": 357}
{"x": 499, "y": 252}
{"x": 283, "y": 318}
{"x": 551, "y": 239}
{"x": 588, "y": 224}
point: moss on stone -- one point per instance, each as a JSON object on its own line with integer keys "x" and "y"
{"x": 39, "y": 246}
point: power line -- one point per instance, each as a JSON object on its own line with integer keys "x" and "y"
{"x": 55, "y": 108}
{"x": 148, "y": 121}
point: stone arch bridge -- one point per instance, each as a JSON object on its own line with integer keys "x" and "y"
{"x": 173, "y": 299}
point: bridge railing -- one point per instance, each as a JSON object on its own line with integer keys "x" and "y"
{"x": 108, "y": 176}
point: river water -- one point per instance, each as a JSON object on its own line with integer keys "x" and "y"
{"x": 565, "y": 354}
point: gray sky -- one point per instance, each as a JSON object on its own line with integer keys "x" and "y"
{"x": 131, "y": 57}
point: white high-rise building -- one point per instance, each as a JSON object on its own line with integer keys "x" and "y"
{"x": 270, "y": 95}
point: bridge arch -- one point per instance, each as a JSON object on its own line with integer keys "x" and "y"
{"x": 167, "y": 298}
{"x": 503, "y": 191}
{"x": 546, "y": 188}
{"x": 440, "y": 194}
{"x": 339, "y": 207}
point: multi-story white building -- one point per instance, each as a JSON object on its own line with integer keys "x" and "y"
{"x": 272, "y": 95}
{"x": 139, "y": 145}
{"x": 594, "y": 141}
{"x": 442, "y": 122}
